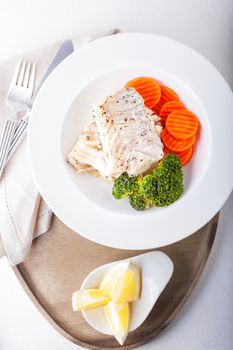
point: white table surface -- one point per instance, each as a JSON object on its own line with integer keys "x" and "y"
{"x": 206, "y": 322}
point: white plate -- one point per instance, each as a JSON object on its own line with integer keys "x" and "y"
{"x": 63, "y": 107}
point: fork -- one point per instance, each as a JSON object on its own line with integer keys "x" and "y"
{"x": 17, "y": 99}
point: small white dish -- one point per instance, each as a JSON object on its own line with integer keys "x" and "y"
{"x": 63, "y": 107}
{"x": 156, "y": 270}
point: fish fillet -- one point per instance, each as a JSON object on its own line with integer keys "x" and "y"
{"x": 124, "y": 136}
{"x": 87, "y": 154}
{"x": 129, "y": 134}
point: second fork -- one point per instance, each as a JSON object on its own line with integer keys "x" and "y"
{"x": 18, "y": 97}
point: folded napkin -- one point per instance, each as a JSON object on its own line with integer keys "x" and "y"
{"x": 23, "y": 213}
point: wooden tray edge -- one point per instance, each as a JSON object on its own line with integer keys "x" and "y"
{"x": 154, "y": 333}
{"x": 191, "y": 288}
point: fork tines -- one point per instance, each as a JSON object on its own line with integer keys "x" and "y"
{"x": 24, "y": 74}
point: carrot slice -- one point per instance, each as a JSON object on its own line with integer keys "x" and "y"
{"x": 185, "y": 156}
{"x": 169, "y": 107}
{"x": 167, "y": 150}
{"x": 182, "y": 124}
{"x": 148, "y": 88}
{"x": 174, "y": 144}
{"x": 167, "y": 95}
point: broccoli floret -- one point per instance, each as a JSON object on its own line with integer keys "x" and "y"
{"x": 163, "y": 186}
{"x": 169, "y": 181}
{"x": 149, "y": 188}
{"x": 137, "y": 201}
{"x": 143, "y": 198}
{"x": 124, "y": 185}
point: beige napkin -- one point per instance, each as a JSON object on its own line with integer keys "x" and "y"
{"x": 23, "y": 213}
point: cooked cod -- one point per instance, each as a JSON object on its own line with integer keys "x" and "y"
{"x": 87, "y": 154}
{"x": 124, "y": 137}
{"x": 129, "y": 133}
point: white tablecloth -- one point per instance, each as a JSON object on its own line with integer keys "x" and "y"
{"x": 206, "y": 322}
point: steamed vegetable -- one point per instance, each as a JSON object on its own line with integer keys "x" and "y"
{"x": 184, "y": 156}
{"x": 124, "y": 185}
{"x": 137, "y": 201}
{"x": 148, "y": 88}
{"x": 182, "y": 124}
{"x": 168, "y": 108}
{"x": 174, "y": 144}
{"x": 169, "y": 181}
{"x": 167, "y": 95}
{"x": 162, "y": 187}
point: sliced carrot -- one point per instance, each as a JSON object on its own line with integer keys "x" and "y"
{"x": 167, "y": 95}
{"x": 174, "y": 144}
{"x": 166, "y": 150}
{"x": 185, "y": 156}
{"x": 182, "y": 124}
{"x": 148, "y": 88}
{"x": 169, "y": 107}
{"x": 156, "y": 109}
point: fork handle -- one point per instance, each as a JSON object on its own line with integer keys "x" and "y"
{"x": 19, "y": 135}
{"x": 6, "y": 138}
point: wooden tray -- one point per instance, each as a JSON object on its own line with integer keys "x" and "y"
{"x": 59, "y": 261}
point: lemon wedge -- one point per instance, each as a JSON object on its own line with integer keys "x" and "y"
{"x": 122, "y": 283}
{"x": 88, "y": 298}
{"x": 117, "y": 316}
